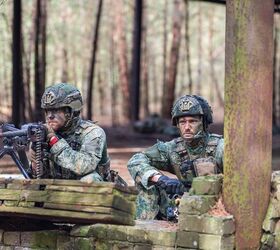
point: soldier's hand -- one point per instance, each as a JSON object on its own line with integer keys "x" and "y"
{"x": 170, "y": 185}
{"x": 49, "y": 131}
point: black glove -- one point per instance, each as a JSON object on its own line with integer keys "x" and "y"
{"x": 170, "y": 185}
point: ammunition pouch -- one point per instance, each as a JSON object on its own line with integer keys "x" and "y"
{"x": 205, "y": 166}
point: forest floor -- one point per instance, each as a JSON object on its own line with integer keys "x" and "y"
{"x": 123, "y": 142}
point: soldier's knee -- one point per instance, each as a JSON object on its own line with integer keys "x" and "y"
{"x": 92, "y": 177}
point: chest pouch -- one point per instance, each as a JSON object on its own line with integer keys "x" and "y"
{"x": 205, "y": 166}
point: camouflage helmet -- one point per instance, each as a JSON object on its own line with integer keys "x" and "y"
{"x": 62, "y": 95}
{"x": 190, "y": 105}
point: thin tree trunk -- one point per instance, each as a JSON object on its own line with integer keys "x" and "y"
{"x": 156, "y": 98}
{"x": 145, "y": 77}
{"x": 27, "y": 68}
{"x": 122, "y": 60}
{"x": 18, "y": 92}
{"x": 92, "y": 62}
{"x": 6, "y": 81}
{"x": 187, "y": 39}
{"x": 164, "y": 64}
{"x": 40, "y": 56}
{"x": 65, "y": 63}
{"x": 102, "y": 97}
{"x": 114, "y": 85}
{"x": 136, "y": 60}
{"x": 199, "y": 44}
{"x": 169, "y": 96}
{"x": 214, "y": 79}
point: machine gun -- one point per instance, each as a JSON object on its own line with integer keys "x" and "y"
{"x": 16, "y": 142}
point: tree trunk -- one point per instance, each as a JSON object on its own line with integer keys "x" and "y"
{"x": 102, "y": 97}
{"x": 277, "y": 84}
{"x": 18, "y": 91}
{"x": 65, "y": 63}
{"x": 214, "y": 79}
{"x": 145, "y": 78}
{"x": 122, "y": 59}
{"x": 114, "y": 86}
{"x": 248, "y": 116}
{"x": 199, "y": 49}
{"x": 136, "y": 60}
{"x": 164, "y": 64}
{"x": 187, "y": 38}
{"x": 5, "y": 99}
{"x": 168, "y": 96}
{"x": 27, "y": 55}
{"x": 92, "y": 62}
{"x": 40, "y": 56}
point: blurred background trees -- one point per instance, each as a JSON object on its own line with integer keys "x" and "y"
{"x": 92, "y": 45}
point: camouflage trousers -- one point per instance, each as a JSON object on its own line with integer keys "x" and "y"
{"x": 150, "y": 203}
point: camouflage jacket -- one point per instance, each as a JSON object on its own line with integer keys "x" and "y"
{"x": 168, "y": 156}
{"x": 79, "y": 153}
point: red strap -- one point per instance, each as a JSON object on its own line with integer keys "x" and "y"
{"x": 53, "y": 140}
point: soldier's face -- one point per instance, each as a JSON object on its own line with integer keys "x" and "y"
{"x": 56, "y": 118}
{"x": 189, "y": 126}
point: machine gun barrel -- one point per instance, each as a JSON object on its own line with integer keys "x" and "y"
{"x": 9, "y": 134}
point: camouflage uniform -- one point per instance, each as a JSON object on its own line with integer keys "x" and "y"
{"x": 169, "y": 156}
{"x": 79, "y": 155}
{"x": 81, "y": 150}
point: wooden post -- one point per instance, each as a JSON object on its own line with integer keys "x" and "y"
{"x": 248, "y": 116}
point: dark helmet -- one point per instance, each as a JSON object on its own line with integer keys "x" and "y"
{"x": 62, "y": 95}
{"x": 190, "y": 105}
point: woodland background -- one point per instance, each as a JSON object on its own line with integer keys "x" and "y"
{"x": 93, "y": 45}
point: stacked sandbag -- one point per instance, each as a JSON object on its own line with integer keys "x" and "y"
{"x": 198, "y": 229}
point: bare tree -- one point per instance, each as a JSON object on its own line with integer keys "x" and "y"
{"x": 169, "y": 95}
{"x": 187, "y": 39}
{"x": 164, "y": 64}
{"x": 136, "y": 60}
{"x": 18, "y": 91}
{"x": 145, "y": 77}
{"x": 92, "y": 61}
{"x": 40, "y": 56}
{"x": 199, "y": 49}
{"x": 65, "y": 63}
{"x": 214, "y": 79}
{"x": 122, "y": 59}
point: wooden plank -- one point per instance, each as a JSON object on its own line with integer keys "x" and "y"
{"x": 67, "y": 216}
{"x": 18, "y": 204}
{"x": 93, "y": 190}
{"x": 90, "y": 209}
{"x": 76, "y": 189}
{"x": 25, "y": 186}
{"x": 67, "y": 198}
{"x": 68, "y": 183}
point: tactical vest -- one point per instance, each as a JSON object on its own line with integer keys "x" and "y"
{"x": 184, "y": 153}
{"x": 75, "y": 141}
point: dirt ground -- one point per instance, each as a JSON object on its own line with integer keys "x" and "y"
{"x": 123, "y": 142}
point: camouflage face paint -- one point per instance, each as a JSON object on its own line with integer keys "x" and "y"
{"x": 56, "y": 118}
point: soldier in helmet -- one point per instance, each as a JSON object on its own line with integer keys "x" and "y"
{"x": 195, "y": 153}
{"x": 76, "y": 148}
